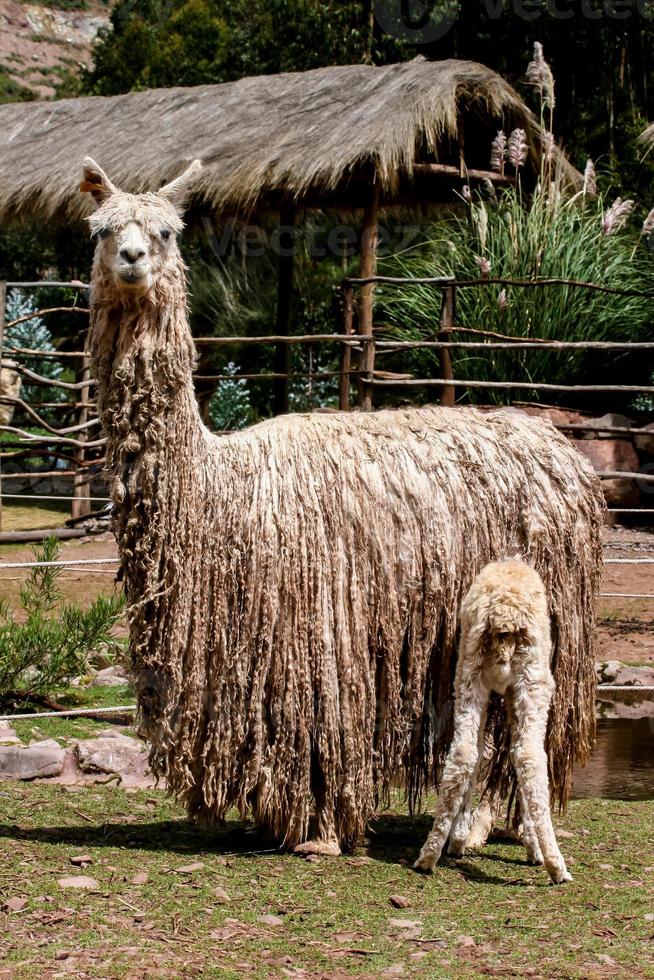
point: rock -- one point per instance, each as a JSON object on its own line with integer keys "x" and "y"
{"x": 613, "y": 420}
{"x": 81, "y": 860}
{"x": 140, "y": 878}
{"x": 558, "y": 416}
{"x": 79, "y": 881}
{"x": 399, "y": 901}
{"x": 113, "y": 676}
{"x": 645, "y": 443}
{"x": 221, "y": 896}
{"x": 8, "y": 735}
{"x": 615, "y": 672}
{"x": 270, "y": 920}
{"x": 613, "y": 455}
{"x": 15, "y": 904}
{"x": 189, "y": 869}
{"x": 113, "y": 752}
{"x": 34, "y": 761}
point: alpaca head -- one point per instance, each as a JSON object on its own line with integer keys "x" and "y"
{"x": 136, "y": 233}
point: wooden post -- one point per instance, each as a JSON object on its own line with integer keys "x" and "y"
{"x": 368, "y": 267}
{"x": 447, "y": 323}
{"x": 346, "y": 350}
{"x": 3, "y": 302}
{"x": 81, "y": 505}
{"x": 283, "y": 319}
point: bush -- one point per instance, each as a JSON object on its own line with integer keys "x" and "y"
{"x": 543, "y": 237}
{"x": 56, "y": 639}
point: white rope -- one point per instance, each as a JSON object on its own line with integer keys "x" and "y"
{"x": 629, "y": 561}
{"x": 58, "y": 564}
{"x": 625, "y": 595}
{"x": 633, "y": 688}
{"x": 71, "y": 713}
{"x": 49, "y": 496}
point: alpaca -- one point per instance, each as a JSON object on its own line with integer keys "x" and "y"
{"x": 293, "y": 589}
{"x": 505, "y": 647}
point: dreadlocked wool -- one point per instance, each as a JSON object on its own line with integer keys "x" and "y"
{"x": 294, "y": 589}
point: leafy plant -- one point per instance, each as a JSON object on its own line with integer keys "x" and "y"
{"x": 53, "y": 643}
{"x": 33, "y": 334}
{"x": 544, "y": 236}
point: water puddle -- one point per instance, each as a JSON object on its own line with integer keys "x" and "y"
{"x": 621, "y": 766}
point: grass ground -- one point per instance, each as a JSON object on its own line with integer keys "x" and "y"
{"x": 72, "y": 729}
{"x": 174, "y": 900}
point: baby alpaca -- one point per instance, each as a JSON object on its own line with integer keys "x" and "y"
{"x": 505, "y": 647}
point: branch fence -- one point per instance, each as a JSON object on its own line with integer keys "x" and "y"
{"x": 77, "y": 445}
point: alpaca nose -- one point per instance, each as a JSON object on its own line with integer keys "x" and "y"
{"x": 132, "y": 254}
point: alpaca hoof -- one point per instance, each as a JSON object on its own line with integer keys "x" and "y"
{"x": 562, "y": 878}
{"x": 456, "y": 848}
{"x": 327, "y": 848}
{"x": 425, "y": 864}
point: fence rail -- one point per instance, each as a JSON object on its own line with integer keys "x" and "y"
{"x": 358, "y": 339}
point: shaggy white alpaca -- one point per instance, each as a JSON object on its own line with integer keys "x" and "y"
{"x": 505, "y": 647}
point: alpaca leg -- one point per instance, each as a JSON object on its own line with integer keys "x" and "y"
{"x": 459, "y": 768}
{"x": 530, "y": 763}
{"x": 483, "y": 821}
{"x": 461, "y": 827}
{"x": 529, "y": 837}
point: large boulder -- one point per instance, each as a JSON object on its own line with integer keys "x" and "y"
{"x": 34, "y": 761}
{"x": 644, "y": 441}
{"x": 113, "y": 752}
{"x": 613, "y": 455}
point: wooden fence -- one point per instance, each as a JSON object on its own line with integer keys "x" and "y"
{"x": 79, "y": 445}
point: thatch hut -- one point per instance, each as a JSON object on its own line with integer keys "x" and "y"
{"x": 348, "y": 138}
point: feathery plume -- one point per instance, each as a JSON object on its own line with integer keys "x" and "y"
{"x": 516, "y": 148}
{"x": 590, "y": 179}
{"x": 502, "y": 301}
{"x": 498, "y": 152}
{"x": 484, "y": 265}
{"x": 616, "y": 216}
{"x": 548, "y": 147}
{"x": 465, "y": 193}
{"x": 539, "y": 74}
{"x": 648, "y": 223}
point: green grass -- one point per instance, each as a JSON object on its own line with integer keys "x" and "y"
{"x": 484, "y": 915}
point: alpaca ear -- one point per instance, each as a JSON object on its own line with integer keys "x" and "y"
{"x": 178, "y": 190}
{"x": 96, "y": 182}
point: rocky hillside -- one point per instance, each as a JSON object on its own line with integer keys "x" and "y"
{"x": 42, "y": 43}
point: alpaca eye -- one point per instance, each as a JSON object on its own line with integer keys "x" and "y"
{"x": 165, "y": 234}
{"x": 101, "y": 233}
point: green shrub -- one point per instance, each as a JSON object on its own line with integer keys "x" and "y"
{"x": 56, "y": 639}
{"x": 545, "y": 236}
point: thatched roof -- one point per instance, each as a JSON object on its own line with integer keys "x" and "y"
{"x": 295, "y": 134}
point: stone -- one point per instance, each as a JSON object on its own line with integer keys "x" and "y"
{"x": 37, "y": 760}
{"x": 644, "y": 442}
{"x": 613, "y": 420}
{"x": 613, "y": 455}
{"x": 79, "y": 881}
{"x": 8, "y": 735}
{"x": 558, "y": 416}
{"x": 615, "y": 672}
{"x": 113, "y": 752}
{"x": 113, "y": 676}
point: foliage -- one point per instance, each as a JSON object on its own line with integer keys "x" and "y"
{"x": 33, "y": 334}
{"x": 230, "y": 407}
{"x": 54, "y": 642}
{"x": 189, "y": 42}
{"x": 542, "y": 237}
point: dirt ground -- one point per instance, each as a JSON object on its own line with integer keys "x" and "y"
{"x": 625, "y": 626}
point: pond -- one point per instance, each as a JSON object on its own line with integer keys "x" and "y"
{"x": 621, "y": 766}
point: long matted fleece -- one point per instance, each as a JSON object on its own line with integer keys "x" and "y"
{"x": 294, "y": 588}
